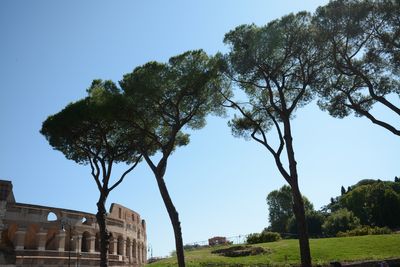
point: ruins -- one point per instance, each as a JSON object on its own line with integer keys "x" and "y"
{"x": 33, "y": 235}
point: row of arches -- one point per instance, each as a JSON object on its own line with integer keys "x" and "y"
{"x": 36, "y": 238}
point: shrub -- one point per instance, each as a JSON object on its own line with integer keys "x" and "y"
{"x": 267, "y": 236}
{"x": 263, "y": 237}
{"x": 365, "y": 230}
{"x": 340, "y": 221}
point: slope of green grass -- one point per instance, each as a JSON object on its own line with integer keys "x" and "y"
{"x": 286, "y": 252}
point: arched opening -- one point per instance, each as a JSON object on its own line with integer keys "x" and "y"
{"x": 120, "y": 245}
{"x": 7, "y": 246}
{"x": 69, "y": 240}
{"x": 51, "y": 239}
{"x": 31, "y": 241}
{"x": 111, "y": 247}
{"x": 97, "y": 243}
{"x": 85, "y": 242}
{"x": 128, "y": 247}
{"x": 51, "y": 217}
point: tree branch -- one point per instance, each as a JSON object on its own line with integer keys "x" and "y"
{"x": 125, "y": 173}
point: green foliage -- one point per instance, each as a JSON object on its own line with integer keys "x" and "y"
{"x": 314, "y": 220}
{"x": 269, "y": 63}
{"x": 181, "y": 93}
{"x": 263, "y": 237}
{"x": 87, "y": 130}
{"x": 362, "y": 67}
{"x": 280, "y": 209}
{"x": 340, "y": 221}
{"x": 375, "y": 203}
{"x": 365, "y": 230}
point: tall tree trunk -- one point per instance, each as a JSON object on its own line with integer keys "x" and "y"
{"x": 104, "y": 235}
{"x": 298, "y": 205}
{"x": 299, "y": 213}
{"x": 174, "y": 217}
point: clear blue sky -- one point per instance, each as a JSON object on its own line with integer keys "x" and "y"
{"x": 51, "y": 50}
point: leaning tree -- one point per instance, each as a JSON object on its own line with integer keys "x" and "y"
{"x": 170, "y": 98}
{"x": 275, "y": 65}
{"x": 87, "y": 132}
{"x": 362, "y": 39}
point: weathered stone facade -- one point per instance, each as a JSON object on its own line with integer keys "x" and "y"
{"x": 33, "y": 235}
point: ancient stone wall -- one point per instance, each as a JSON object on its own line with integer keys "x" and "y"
{"x": 33, "y": 235}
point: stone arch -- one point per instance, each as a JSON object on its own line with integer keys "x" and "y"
{"x": 51, "y": 216}
{"x": 9, "y": 235}
{"x": 51, "y": 239}
{"x": 7, "y": 246}
{"x": 97, "y": 243}
{"x": 120, "y": 245}
{"x": 111, "y": 247}
{"x": 31, "y": 240}
{"x": 85, "y": 247}
{"x": 69, "y": 240}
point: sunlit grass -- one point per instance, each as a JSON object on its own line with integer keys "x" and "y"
{"x": 286, "y": 252}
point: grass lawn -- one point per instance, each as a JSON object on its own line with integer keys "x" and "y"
{"x": 286, "y": 252}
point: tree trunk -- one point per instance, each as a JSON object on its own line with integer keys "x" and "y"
{"x": 298, "y": 205}
{"x": 104, "y": 235}
{"x": 299, "y": 213}
{"x": 174, "y": 217}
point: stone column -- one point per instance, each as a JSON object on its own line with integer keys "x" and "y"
{"x": 41, "y": 237}
{"x": 123, "y": 243}
{"x": 78, "y": 243}
{"x": 129, "y": 250}
{"x": 138, "y": 256}
{"x": 61, "y": 241}
{"x": 134, "y": 253}
{"x": 91, "y": 241}
{"x": 144, "y": 252}
{"x": 20, "y": 239}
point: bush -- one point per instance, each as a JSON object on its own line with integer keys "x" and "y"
{"x": 263, "y": 237}
{"x": 365, "y": 230}
{"x": 340, "y": 221}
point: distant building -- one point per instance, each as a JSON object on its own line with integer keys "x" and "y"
{"x": 217, "y": 240}
{"x": 32, "y": 235}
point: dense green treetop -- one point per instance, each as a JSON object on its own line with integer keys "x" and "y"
{"x": 175, "y": 95}
{"x": 362, "y": 42}
{"x": 87, "y": 131}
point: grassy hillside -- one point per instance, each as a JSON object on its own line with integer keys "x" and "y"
{"x": 286, "y": 252}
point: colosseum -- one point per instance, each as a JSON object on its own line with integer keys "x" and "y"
{"x": 33, "y": 235}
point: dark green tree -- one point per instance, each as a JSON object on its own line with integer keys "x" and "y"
{"x": 275, "y": 65}
{"x": 342, "y": 191}
{"x": 170, "y": 98}
{"x": 340, "y": 221}
{"x": 280, "y": 209}
{"x": 363, "y": 43}
{"x": 87, "y": 132}
{"x": 375, "y": 204}
{"x": 314, "y": 220}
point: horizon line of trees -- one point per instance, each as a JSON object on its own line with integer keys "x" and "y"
{"x": 371, "y": 206}
{"x": 345, "y": 55}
